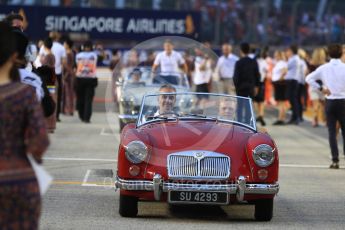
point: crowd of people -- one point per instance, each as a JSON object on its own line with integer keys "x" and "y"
{"x": 60, "y": 74}
{"x": 289, "y": 79}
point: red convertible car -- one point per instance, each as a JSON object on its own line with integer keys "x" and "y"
{"x": 196, "y": 148}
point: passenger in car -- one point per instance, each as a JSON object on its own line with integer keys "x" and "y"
{"x": 227, "y": 108}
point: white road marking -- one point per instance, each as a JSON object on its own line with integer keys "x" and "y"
{"x": 77, "y": 159}
{"x": 104, "y": 133}
{"x": 86, "y": 177}
{"x": 106, "y": 185}
{"x": 303, "y": 166}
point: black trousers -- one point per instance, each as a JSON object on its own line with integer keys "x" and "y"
{"x": 301, "y": 99}
{"x": 59, "y": 94}
{"x": 85, "y": 88}
{"x": 292, "y": 95}
{"x": 335, "y": 111}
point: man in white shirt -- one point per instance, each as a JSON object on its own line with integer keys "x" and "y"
{"x": 202, "y": 75}
{"x": 225, "y": 69}
{"x": 59, "y": 53}
{"x": 292, "y": 79}
{"x": 332, "y": 75}
{"x": 169, "y": 62}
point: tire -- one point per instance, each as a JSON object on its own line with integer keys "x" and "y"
{"x": 128, "y": 206}
{"x": 264, "y": 210}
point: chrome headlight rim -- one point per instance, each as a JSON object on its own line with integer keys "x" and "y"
{"x": 257, "y": 157}
{"x": 134, "y": 155}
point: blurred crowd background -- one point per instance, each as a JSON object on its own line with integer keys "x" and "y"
{"x": 274, "y": 22}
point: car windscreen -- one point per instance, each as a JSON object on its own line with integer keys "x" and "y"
{"x": 184, "y": 106}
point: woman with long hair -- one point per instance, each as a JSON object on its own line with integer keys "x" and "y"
{"x": 22, "y": 131}
{"x": 318, "y": 58}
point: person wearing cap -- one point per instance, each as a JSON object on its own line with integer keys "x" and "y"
{"x": 86, "y": 81}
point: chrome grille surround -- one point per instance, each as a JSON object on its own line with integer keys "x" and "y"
{"x": 198, "y": 165}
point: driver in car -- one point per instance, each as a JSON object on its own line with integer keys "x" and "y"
{"x": 166, "y": 102}
{"x": 227, "y": 109}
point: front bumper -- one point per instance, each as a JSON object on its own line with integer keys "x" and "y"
{"x": 157, "y": 185}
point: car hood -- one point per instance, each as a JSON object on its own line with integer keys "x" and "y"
{"x": 171, "y": 137}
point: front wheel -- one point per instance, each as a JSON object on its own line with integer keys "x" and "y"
{"x": 264, "y": 209}
{"x": 128, "y": 206}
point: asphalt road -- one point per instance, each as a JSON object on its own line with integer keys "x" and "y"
{"x": 82, "y": 159}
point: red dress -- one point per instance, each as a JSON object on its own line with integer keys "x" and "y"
{"x": 22, "y": 131}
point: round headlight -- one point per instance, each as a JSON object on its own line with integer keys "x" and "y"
{"x": 136, "y": 152}
{"x": 263, "y": 155}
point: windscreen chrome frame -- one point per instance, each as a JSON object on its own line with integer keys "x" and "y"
{"x": 253, "y": 127}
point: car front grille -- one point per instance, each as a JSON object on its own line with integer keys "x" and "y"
{"x": 198, "y": 165}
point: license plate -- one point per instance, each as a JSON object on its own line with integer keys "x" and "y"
{"x": 198, "y": 197}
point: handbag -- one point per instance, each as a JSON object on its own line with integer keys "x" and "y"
{"x": 44, "y": 179}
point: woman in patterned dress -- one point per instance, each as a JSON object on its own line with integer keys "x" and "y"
{"x": 68, "y": 80}
{"x": 22, "y": 131}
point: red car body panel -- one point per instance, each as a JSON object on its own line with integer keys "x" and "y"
{"x": 164, "y": 138}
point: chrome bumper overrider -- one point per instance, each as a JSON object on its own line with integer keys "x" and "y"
{"x": 157, "y": 185}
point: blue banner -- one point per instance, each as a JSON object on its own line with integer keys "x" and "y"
{"x": 107, "y": 24}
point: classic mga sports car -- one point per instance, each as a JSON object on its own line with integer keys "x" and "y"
{"x": 205, "y": 149}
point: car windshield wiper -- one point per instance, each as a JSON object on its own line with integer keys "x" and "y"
{"x": 192, "y": 115}
{"x": 196, "y": 115}
{"x": 164, "y": 116}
